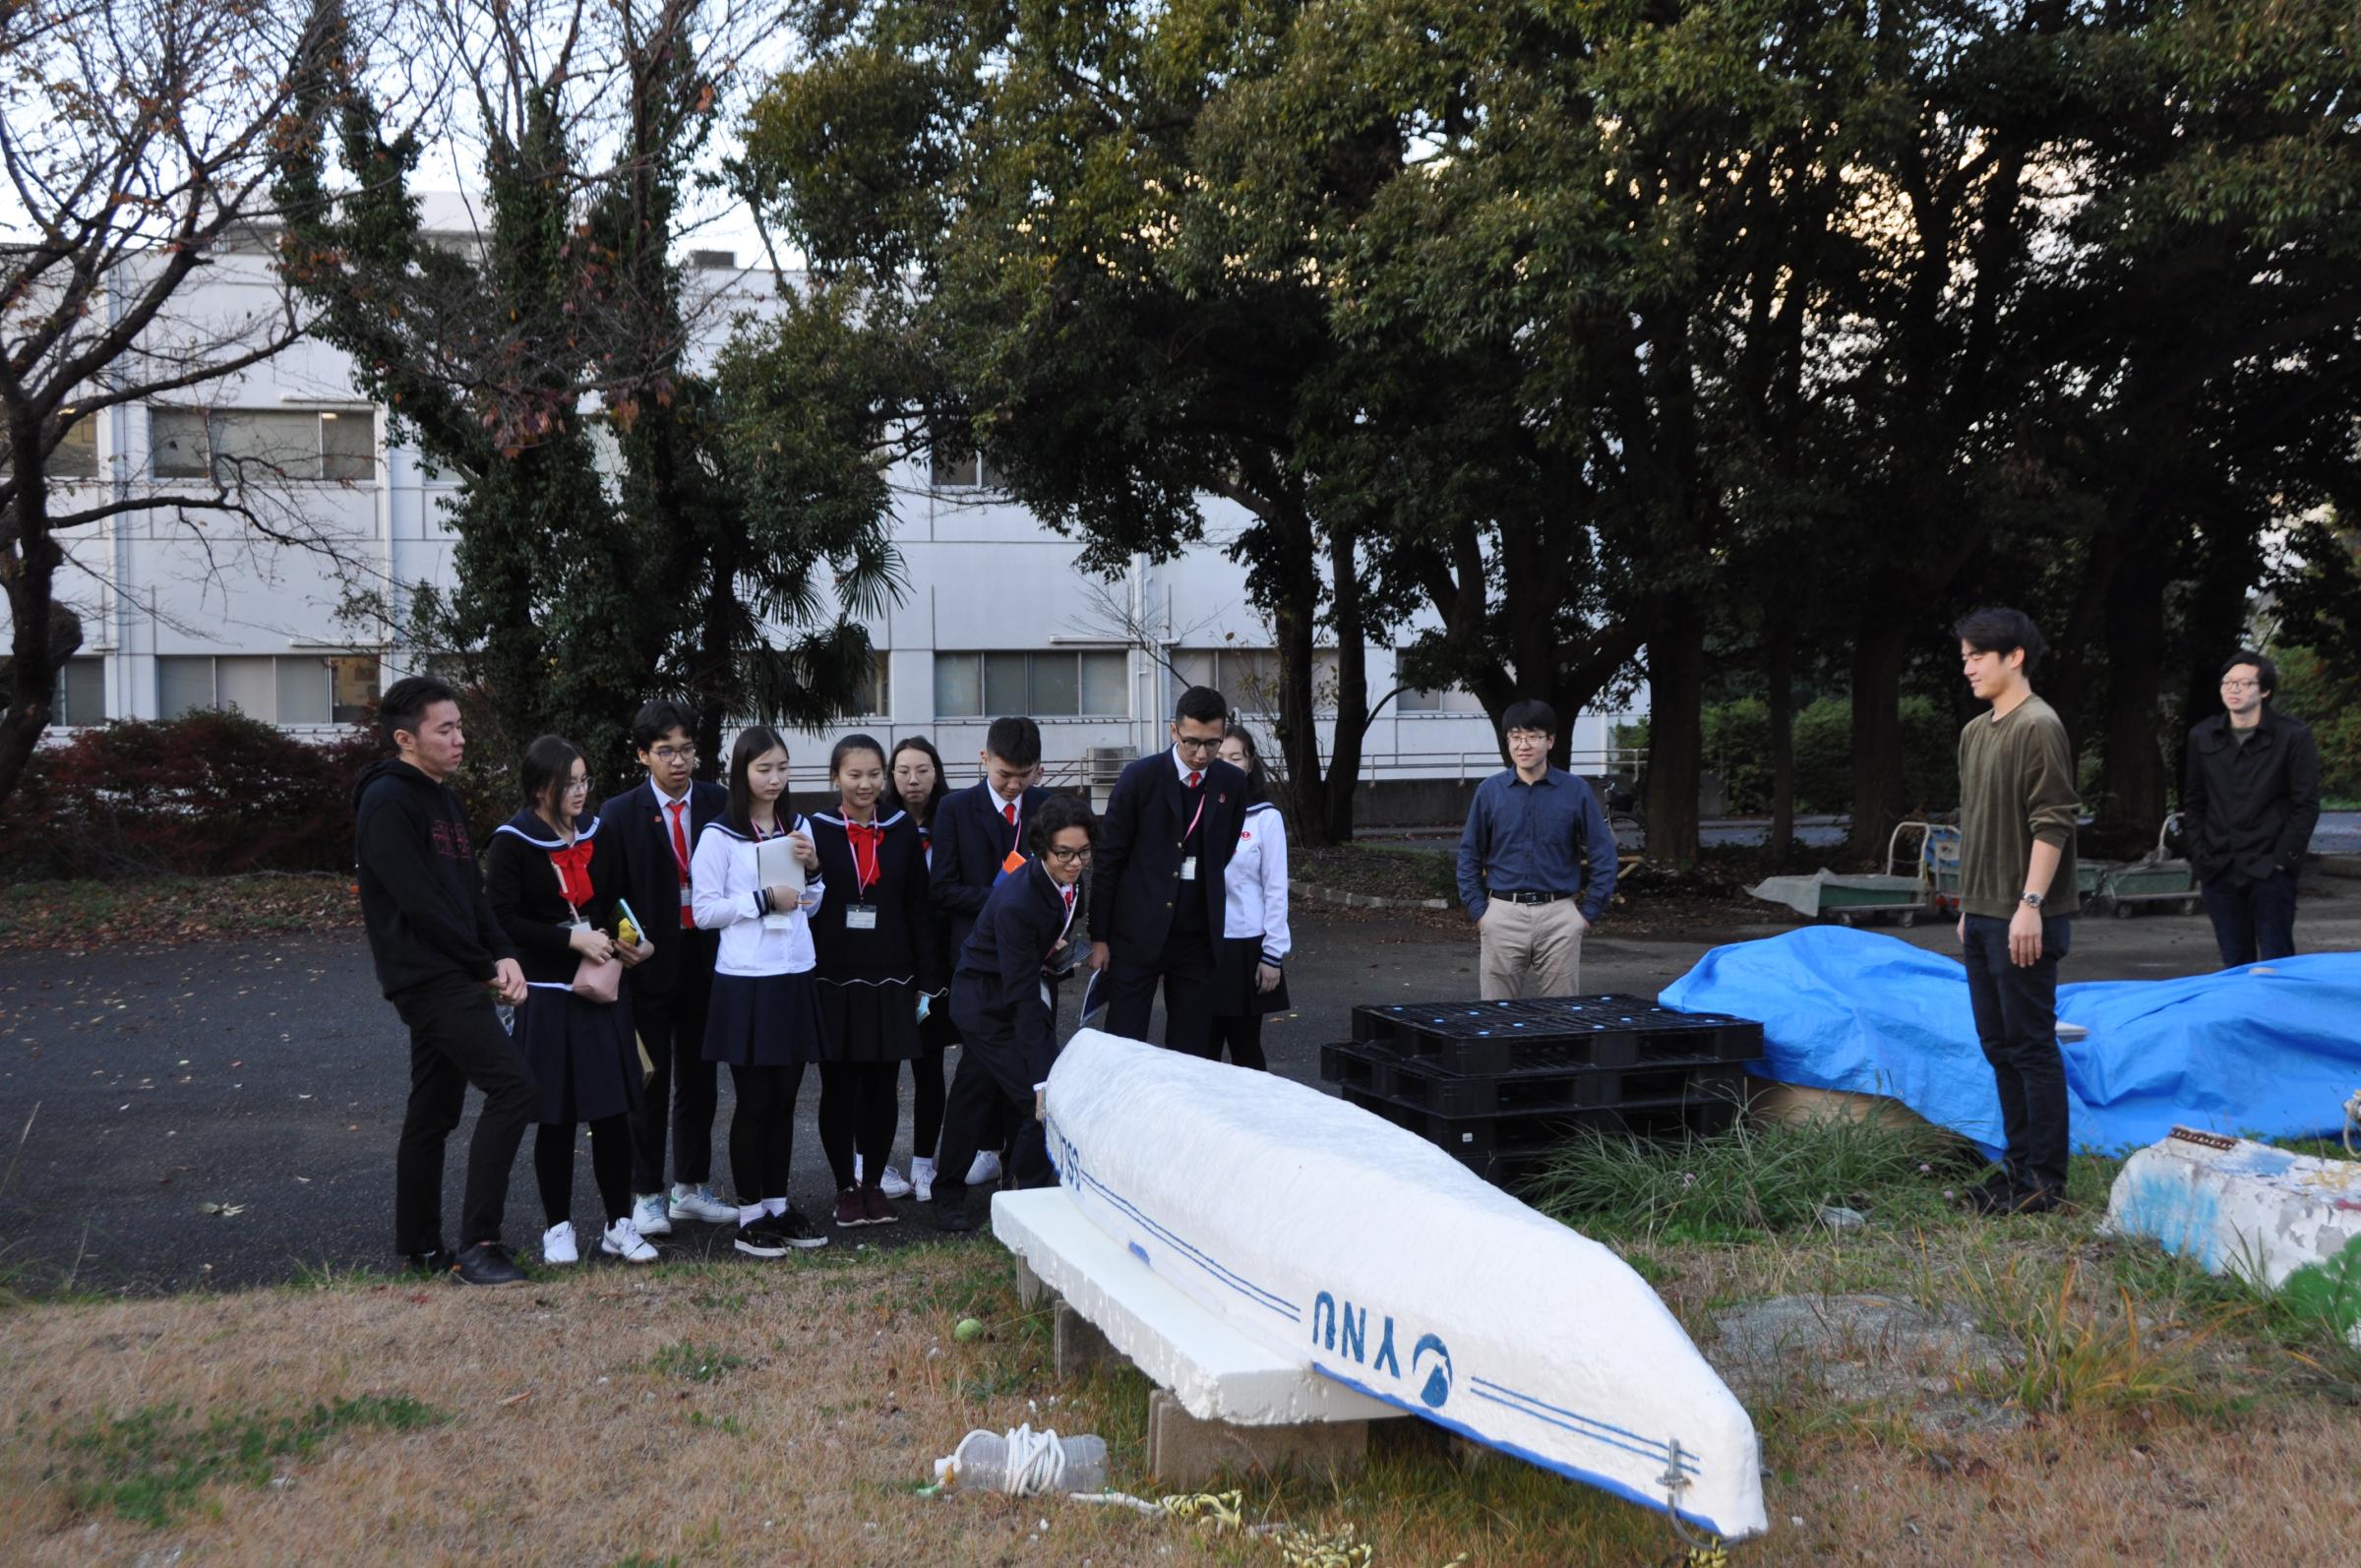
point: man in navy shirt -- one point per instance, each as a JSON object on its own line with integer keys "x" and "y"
{"x": 1537, "y": 863}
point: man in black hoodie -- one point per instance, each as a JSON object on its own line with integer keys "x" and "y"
{"x": 442, "y": 960}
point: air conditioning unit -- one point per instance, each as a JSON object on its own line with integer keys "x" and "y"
{"x": 1102, "y": 765}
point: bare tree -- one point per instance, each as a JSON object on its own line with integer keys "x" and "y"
{"x": 135, "y": 140}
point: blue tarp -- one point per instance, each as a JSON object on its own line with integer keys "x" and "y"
{"x": 2268, "y": 1051}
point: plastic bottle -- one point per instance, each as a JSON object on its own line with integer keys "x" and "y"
{"x": 983, "y": 1461}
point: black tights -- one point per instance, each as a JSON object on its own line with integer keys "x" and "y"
{"x": 610, "y": 1166}
{"x": 763, "y": 1130}
{"x": 858, "y": 1103}
{"x": 1244, "y": 1037}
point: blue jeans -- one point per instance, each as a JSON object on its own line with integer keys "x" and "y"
{"x": 2017, "y": 1024}
{"x": 2253, "y": 923}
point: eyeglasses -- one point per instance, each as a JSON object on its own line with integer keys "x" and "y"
{"x": 673, "y": 753}
{"x": 1191, "y": 743}
{"x": 2242, "y": 686}
{"x": 1068, "y": 857}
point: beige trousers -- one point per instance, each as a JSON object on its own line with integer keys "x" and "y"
{"x": 1531, "y": 950}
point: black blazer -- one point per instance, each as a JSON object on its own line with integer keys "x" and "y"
{"x": 1136, "y": 877}
{"x": 522, "y": 882}
{"x": 971, "y": 840}
{"x": 902, "y": 945}
{"x": 997, "y": 991}
{"x": 648, "y": 875}
{"x": 2249, "y": 810}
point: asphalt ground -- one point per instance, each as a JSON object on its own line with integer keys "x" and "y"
{"x": 224, "y": 1113}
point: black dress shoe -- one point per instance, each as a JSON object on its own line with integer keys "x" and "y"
{"x": 952, "y": 1217}
{"x": 431, "y": 1263}
{"x": 486, "y": 1263}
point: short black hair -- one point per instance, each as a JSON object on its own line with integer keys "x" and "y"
{"x": 405, "y": 703}
{"x": 1058, "y": 814}
{"x": 548, "y": 763}
{"x": 1202, "y": 703}
{"x": 1258, "y": 780}
{"x": 1014, "y": 740}
{"x": 660, "y": 718}
{"x": 1530, "y": 713}
{"x": 1999, "y": 630}
{"x": 2265, "y": 670}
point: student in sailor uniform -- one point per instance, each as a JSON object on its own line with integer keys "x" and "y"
{"x": 873, "y": 936}
{"x": 917, "y": 784}
{"x": 552, "y": 882}
{"x": 765, "y": 1019}
{"x": 1006, "y": 1006}
{"x": 1250, "y": 979}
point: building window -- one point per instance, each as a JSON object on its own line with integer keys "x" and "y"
{"x": 1057, "y": 685}
{"x": 80, "y": 694}
{"x": 876, "y": 700}
{"x": 75, "y": 457}
{"x": 968, "y": 472}
{"x": 263, "y": 444}
{"x": 1248, "y": 678}
{"x": 293, "y": 689}
{"x": 1443, "y": 699}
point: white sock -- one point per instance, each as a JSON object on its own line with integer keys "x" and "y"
{"x": 776, "y": 1206}
{"x": 682, "y": 1189}
{"x": 919, "y": 1162}
{"x": 749, "y": 1213}
{"x": 856, "y": 1170}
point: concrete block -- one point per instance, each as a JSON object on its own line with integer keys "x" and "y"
{"x": 1080, "y": 1346}
{"x": 1186, "y": 1452}
{"x": 1030, "y": 1291}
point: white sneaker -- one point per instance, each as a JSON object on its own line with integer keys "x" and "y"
{"x": 699, "y": 1203}
{"x": 893, "y": 1184}
{"x": 557, "y": 1244}
{"x": 986, "y": 1167}
{"x": 651, "y": 1215}
{"x": 624, "y": 1241}
{"x": 921, "y": 1178}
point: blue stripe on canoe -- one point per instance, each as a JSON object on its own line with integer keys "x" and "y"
{"x": 1588, "y": 1477}
{"x": 1238, "y": 1282}
{"x": 1653, "y": 1456}
{"x": 1513, "y": 1397}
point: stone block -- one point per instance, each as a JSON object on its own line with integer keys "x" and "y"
{"x": 1186, "y": 1452}
{"x": 1080, "y": 1346}
{"x": 1030, "y": 1291}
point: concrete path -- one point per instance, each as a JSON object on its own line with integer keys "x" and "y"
{"x": 138, "y": 1087}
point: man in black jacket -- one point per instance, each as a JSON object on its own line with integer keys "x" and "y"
{"x": 1157, "y": 897}
{"x": 653, "y": 827}
{"x": 442, "y": 960}
{"x": 2248, "y": 807}
{"x": 1005, "y": 1004}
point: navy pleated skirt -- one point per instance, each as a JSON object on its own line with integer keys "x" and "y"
{"x": 766, "y": 1021}
{"x": 869, "y": 1021}
{"x": 582, "y": 1053}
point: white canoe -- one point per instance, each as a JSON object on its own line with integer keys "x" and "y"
{"x": 1380, "y": 1261}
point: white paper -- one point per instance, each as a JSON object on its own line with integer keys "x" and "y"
{"x": 775, "y": 866}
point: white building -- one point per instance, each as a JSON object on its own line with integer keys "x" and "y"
{"x": 187, "y": 611}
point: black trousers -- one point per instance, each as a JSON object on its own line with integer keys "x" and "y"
{"x": 929, "y": 1089}
{"x": 763, "y": 1130}
{"x": 455, "y": 1040}
{"x": 1243, "y": 1036}
{"x": 858, "y": 1104}
{"x": 994, "y": 1085}
{"x": 609, "y": 1168}
{"x": 1184, "y": 970}
{"x": 683, "y": 1090}
{"x": 2253, "y": 922}
{"x": 2017, "y": 1024}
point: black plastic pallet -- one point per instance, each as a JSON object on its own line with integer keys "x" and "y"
{"x": 1555, "y": 1033}
{"x": 1415, "y": 1080}
{"x": 1477, "y": 1141}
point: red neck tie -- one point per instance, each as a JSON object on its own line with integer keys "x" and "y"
{"x": 680, "y": 854}
{"x": 1192, "y": 779}
{"x": 1009, "y": 813}
{"x": 1068, "y": 892}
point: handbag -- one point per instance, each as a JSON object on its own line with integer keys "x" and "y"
{"x": 594, "y": 980}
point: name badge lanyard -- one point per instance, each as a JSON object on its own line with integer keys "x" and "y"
{"x": 1014, "y": 861}
{"x": 1189, "y": 862}
{"x": 863, "y": 915}
{"x": 673, "y": 843}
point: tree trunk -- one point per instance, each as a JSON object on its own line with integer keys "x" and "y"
{"x": 1352, "y": 688}
{"x": 1294, "y": 616}
{"x": 42, "y": 633}
{"x": 1675, "y": 730}
{"x": 1780, "y": 676}
{"x": 1879, "y": 646}
{"x": 2132, "y": 803}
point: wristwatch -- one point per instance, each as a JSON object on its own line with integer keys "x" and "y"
{"x": 2029, "y": 900}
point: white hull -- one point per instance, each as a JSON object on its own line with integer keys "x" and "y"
{"x": 1377, "y": 1260}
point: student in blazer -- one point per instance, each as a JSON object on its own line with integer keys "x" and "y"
{"x": 651, "y": 829}
{"x": 1006, "y": 1006}
{"x": 1156, "y": 898}
{"x": 977, "y": 828}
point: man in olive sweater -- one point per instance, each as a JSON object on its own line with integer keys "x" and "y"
{"x": 2018, "y": 806}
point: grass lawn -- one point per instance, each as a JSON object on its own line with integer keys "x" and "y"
{"x": 2129, "y": 1410}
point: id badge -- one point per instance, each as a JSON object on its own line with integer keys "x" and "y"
{"x": 1188, "y": 868}
{"x": 684, "y": 896}
{"x": 861, "y": 917}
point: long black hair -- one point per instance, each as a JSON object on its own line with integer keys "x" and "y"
{"x": 753, "y": 742}
{"x": 1257, "y": 779}
{"x": 545, "y": 771}
{"x": 922, "y": 811}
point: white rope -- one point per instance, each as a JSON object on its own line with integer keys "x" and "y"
{"x": 1035, "y": 1462}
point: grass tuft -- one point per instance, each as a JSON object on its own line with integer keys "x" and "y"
{"x": 2080, "y": 1355}
{"x": 698, "y": 1364}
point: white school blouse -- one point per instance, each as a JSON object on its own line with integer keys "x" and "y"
{"x": 1254, "y": 887}
{"x": 722, "y": 881}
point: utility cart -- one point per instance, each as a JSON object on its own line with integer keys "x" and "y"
{"x": 2157, "y": 880}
